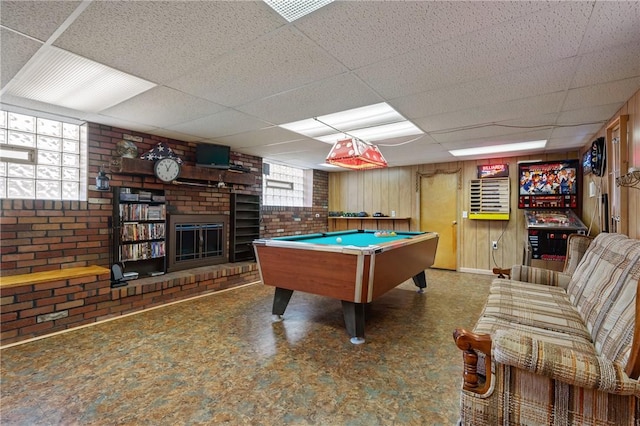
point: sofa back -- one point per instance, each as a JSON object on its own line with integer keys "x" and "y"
{"x": 603, "y": 288}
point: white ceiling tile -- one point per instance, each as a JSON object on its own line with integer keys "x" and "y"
{"x": 538, "y": 39}
{"x": 612, "y": 22}
{"x": 601, "y": 94}
{"x": 523, "y": 83}
{"x": 159, "y": 41}
{"x": 583, "y": 131}
{"x": 510, "y": 110}
{"x": 515, "y": 130}
{"x": 490, "y": 136}
{"x": 386, "y": 30}
{"x": 593, "y": 114}
{"x": 163, "y": 107}
{"x": 224, "y": 123}
{"x": 287, "y": 148}
{"x": 119, "y": 122}
{"x": 562, "y": 144}
{"x": 338, "y": 93}
{"x": 15, "y": 51}
{"x": 174, "y": 135}
{"x": 287, "y": 59}
{"x": 36, "y": 18}
{"x": 608, "y": 64}
{"x": 261, "y": 138}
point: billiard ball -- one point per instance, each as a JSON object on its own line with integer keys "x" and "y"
{"x": 338, "y": 240}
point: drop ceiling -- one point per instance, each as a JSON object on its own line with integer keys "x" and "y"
{"x": 466, "y": 73}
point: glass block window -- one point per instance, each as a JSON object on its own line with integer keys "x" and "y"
{"x": 285, "y": 185}
{"x": 42, "y": 158}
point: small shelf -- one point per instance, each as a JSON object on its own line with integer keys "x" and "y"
{"x": 489, "y": 199}
{"x": 135, "y": 166}
{"x": 245, "y": 226}
{"x": 343, "y": 223}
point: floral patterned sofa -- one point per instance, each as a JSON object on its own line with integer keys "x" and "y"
{"x": 558, "y": 348}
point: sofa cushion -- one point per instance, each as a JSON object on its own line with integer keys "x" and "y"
{"x": 491, "y": 325}
{"x": 534, "y": 305}
{"x": 577, "y": 246}
{"x": 568, "y": 366}
{"x": 603, "y": 289}
{"x": 534, "y": 275}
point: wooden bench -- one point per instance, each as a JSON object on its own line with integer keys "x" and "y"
{"x": 55, "y": 275}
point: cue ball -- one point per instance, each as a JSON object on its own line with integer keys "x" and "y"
{"x": 338, "y": 240}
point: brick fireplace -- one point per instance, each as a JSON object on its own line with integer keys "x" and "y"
{"x": 196, "y": 240}
{"x": 52, "y": 235}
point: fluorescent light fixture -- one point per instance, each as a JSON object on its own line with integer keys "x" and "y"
{"x": 386, "y": 131}
{"x": 295, "y": 9}
{"x": 371, "y": 122}
{"x": 495, "y": 149}
{"x": 58, "y": 77}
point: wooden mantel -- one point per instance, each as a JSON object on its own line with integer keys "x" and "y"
{"x": 135, "y": 166}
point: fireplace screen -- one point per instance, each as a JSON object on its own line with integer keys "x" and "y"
{"x": 196, "y": 240}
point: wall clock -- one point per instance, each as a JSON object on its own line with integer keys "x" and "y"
{"x": 167, "y": 169}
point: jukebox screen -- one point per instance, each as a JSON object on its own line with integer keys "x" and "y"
{"x": 548, "y": 178}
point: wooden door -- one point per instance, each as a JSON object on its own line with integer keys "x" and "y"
{"x": 438, "y": 213}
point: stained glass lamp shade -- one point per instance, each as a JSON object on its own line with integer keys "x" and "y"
{"x": 356, "y": 154}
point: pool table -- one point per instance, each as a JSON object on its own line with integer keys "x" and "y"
{"x": 354, "y": 266}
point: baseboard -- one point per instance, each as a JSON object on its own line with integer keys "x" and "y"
{"x": 476, "y": 271}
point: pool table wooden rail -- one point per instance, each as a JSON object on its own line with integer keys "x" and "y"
{"x": 355, "y": 275}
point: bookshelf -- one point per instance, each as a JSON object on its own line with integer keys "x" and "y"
{"x": 245, "y": 226}
{"x": 139, "y": 231}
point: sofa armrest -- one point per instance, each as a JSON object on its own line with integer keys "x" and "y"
{"x": 563, "y": 364}
{"x": 531, "y": 274}
{"x": 471, "y": 343}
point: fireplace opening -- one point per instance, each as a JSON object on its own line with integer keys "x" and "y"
{"x": 196, "y": 240}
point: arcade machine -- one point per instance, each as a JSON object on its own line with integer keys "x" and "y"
{"x": 549, "y": 194}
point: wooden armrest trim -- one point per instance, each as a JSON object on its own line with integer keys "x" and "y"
{"x": 469, "y": 343}
{"x": 633, "y": 365}
{"x": 502, "y": 272}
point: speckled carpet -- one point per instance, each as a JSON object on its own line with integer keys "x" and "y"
{"x": 220, "y": 359}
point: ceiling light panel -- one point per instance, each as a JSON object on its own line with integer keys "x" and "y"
{"x": 494, "y": 149}
{"x": 371, "y": 122}
{"x": 295, "y": 9}
{"x": 58, "y": 77}
{"x": 377, "y": 133}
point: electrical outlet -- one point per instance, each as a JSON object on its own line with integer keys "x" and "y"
{"x": 494, "y": 245}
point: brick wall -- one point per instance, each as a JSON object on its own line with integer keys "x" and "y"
{"x": 40, "y": 309}
{"x": 49, "y": 235}
{"x": 46, "y": 235}
{"x": 280, "y": 221}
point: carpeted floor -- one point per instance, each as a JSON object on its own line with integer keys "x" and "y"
{"x": 221, "y": 360}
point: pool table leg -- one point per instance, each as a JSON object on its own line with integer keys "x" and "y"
{"x": 354, "y": 320}
{"x": 280, "y": 301}
{"x": 420, "y": 280}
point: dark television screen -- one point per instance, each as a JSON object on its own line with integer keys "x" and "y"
{"x": 214, "y": 156}
{"x": 548, "y": 178}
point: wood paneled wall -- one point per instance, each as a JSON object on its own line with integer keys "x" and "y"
{"x": 395, "y": 188}
{"x": 591, "y": 210}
